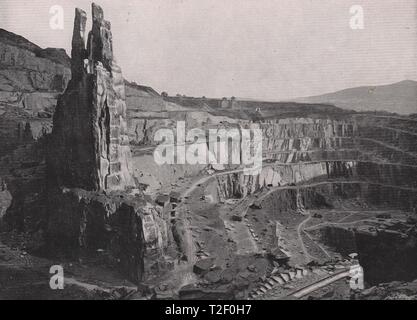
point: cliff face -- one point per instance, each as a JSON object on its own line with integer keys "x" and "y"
{"x": 90, "y": 148}
{"x": 387, "y": 252}
{"x": 376, "y": 156}
{"x": 31, "y": 81}
{"x": 302, "y": 149}
{"x": 239, "y": 185}
{"x": 31, "y": 78}
{"x": 130, "y": 231}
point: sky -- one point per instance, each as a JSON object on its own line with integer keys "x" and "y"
{"x": 260, "y": 49}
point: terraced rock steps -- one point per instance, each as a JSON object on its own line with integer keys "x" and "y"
{"x": 279, "y": 279}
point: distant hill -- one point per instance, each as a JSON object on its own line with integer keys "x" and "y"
{"x": 400, "y": 97}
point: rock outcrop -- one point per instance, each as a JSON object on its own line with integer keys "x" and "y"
{"x": 90, "y": 147}
{"x": 128, "y": 229}
{"x": 31, "y": 78}
{"x": 5, "y": 198}
{"x": 386, "y": 249}
{"x": 93, "y": 202}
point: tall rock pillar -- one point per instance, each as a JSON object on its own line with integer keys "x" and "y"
{"x": 89, "y": 142}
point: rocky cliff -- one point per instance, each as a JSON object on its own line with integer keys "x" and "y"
{"x": 31, "y": 78}
{"x": 89, "y": 150}
{"x": 84, "y": 198}
{"x": 387, "y": 252}
{"x": 127, "y": 229}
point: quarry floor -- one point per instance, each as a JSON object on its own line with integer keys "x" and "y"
{"x": 238, "y": 249}
{"x": 239, "y": 245}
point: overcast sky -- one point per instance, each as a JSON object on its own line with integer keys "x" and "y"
{"x": 269, "y": 49}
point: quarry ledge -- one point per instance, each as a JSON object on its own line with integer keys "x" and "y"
{"x": 125, "y": 227}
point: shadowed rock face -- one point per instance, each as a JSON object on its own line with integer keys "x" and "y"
{"x": 129, "y": 229}
{"x": 89, "y": 143}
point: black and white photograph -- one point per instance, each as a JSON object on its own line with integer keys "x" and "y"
{"x": 228, "y": 151}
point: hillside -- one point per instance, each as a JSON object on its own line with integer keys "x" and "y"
{"x": 400, "y": 97}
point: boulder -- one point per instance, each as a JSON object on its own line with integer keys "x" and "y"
{"x": 203, "y": 266}
{"x": 162, "y": 200}
{"x": 213, "y": 276}
{"x": 256, "y": 205}
{"x": 175, "y": 197}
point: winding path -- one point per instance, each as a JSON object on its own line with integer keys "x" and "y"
{"x": 307, "y": 256}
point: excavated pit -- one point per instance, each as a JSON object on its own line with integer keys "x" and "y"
{"x": 82, "y": 191}
{"x": 386, "y": 255}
